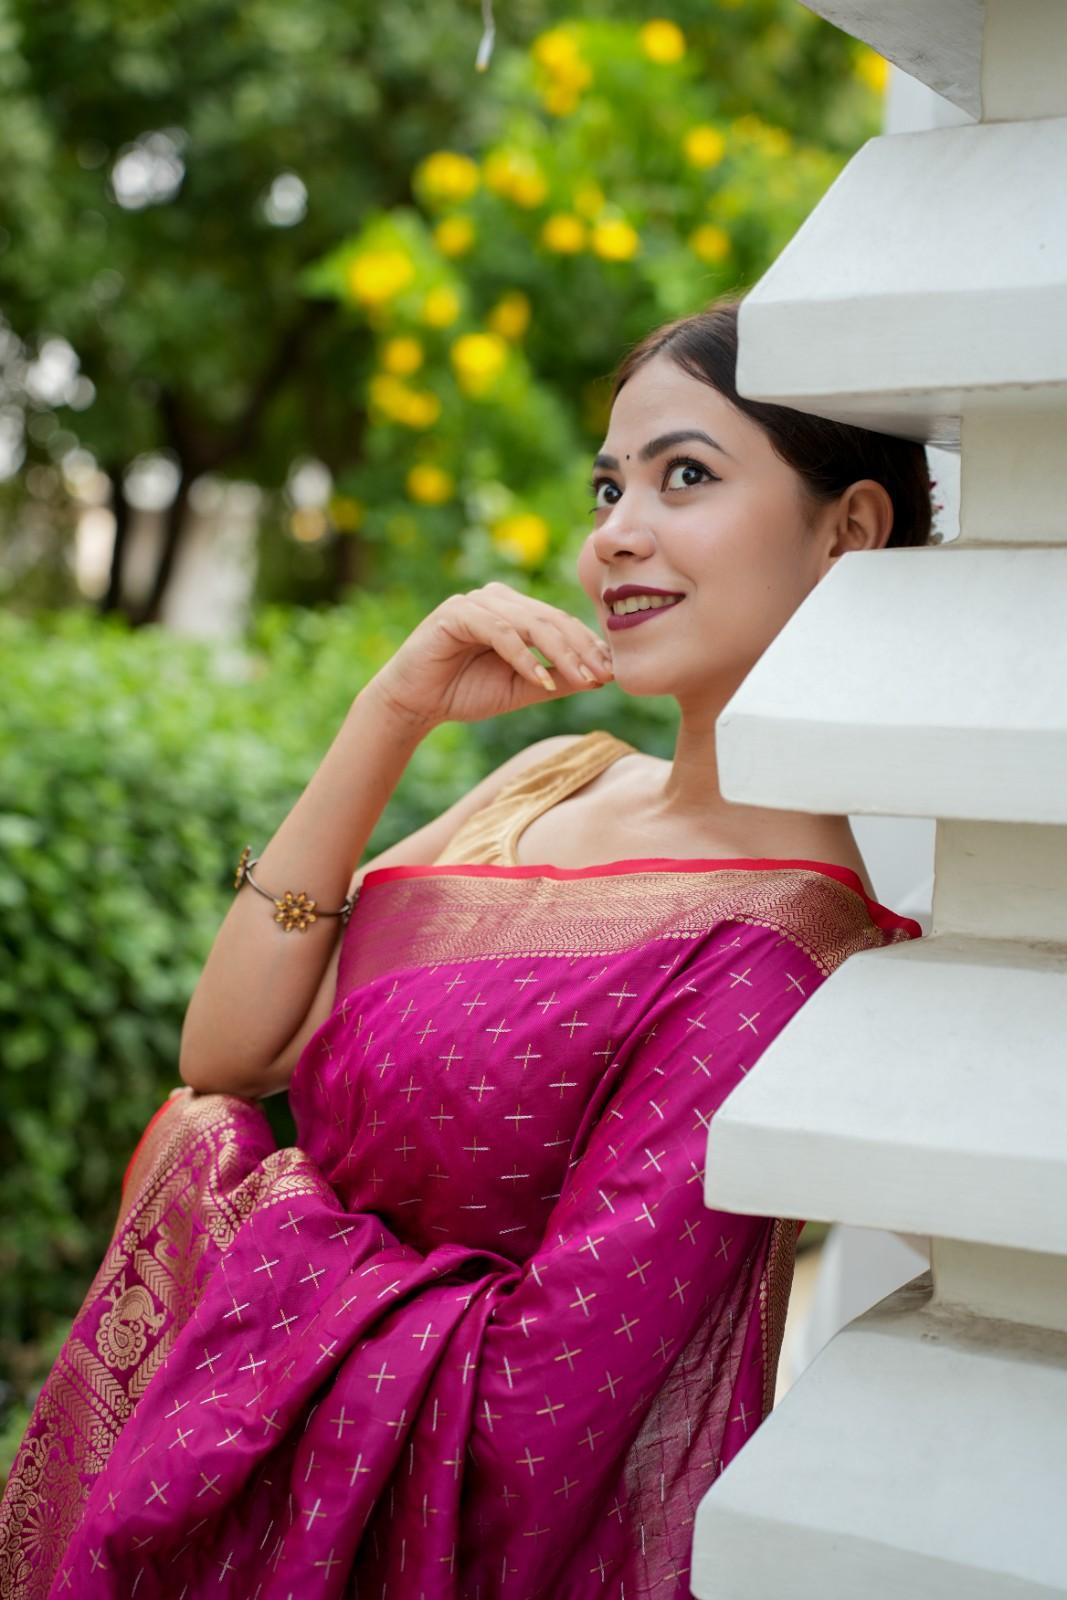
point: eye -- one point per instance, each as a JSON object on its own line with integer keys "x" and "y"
{"x": 598, "y": 486}
{"x": 689, "y": 474}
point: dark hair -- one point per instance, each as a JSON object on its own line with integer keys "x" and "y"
{"x": 827, "y": 455}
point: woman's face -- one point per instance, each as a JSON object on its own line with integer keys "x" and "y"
{"x": 691, "y": 498}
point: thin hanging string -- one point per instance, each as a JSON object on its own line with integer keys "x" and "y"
{"x": 485, "y": 48}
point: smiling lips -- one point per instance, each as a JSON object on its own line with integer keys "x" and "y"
{"x": 643, "y": 609}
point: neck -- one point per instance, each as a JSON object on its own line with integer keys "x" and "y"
{"x": 691, "y": 793}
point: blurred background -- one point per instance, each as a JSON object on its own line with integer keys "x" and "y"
{"x": 304, "y": 324}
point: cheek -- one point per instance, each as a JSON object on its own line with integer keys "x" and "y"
{"x": 586, "y": 568}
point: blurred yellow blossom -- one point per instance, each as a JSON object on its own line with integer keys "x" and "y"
{"x": 510, "y": 317}
{"x": 564, "y": 233}
{"x": 377, "y": 275}
{"x": 414, "y": 408}
{"x": 440, "y": 307}
{"x": 704, "y": 146}
{"x": 662, "y": 40}
{"x": 615, "y": 240}
{"x": 516, "y": 175}
{"x": 559, "y": 99}
{"x": 402, "y": 356}
{"x": 556, "y": 50}
{"x": 346, "y": 513}
{"x": 709, "y": 242}
{"x": 308, "y": 523}
{"x": 478, "y": 360}
{"x": 589, "y": 199}
{"x": 872, "y": 69}
{"x": 768, "y": 140}
{"x": 430, "y": 485}
{"x": 421, "y": 409}
{"x": 446, "y": 177}
{"x": 563, "y": 72}
{"x": 524, "y": 535}
{"x": 454, "y": 236}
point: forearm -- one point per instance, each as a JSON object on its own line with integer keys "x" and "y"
{"x": 259, "y": 981}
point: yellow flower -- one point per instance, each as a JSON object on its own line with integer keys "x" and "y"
{"x": 557, "y": 55}
{"x": 523, "y": 536}
{"x": 387, "y": 394}
{"x": 528, "y": 189}
{"x": 559, "y": 99}
{"x": 440, "y": 307}
{"x": 510, "y": 317}
{"x": 446, "y": 177}
{"x": 704, "y": 146}
{"x": 421, "y": 409}
{"x": 454, "y": 235}
{"x": 402, "y": 356}
{"x": 346, "y": 513}
{"x": 872, "y": 69}
{"x": 662, "y": 40}
{"x": 376, "y": 276}
{"x": 589, "y": 199}
{"x": 478, "y": 359}
{"x": 515, "y": 175}
{"x": 615, "y": 241}
{"x": 555, "y": 50}
{"x": 709, "y": 242}
{"x": 430, "y": 485}
{"x": 414, "y": 408}
{"x": 563, "y": 233}
{"x": 308, "y": 524}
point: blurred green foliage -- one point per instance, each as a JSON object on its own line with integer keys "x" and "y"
{"x": 176, "y": 181}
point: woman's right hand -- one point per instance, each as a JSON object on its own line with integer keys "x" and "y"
{"x": 471, "y": 658}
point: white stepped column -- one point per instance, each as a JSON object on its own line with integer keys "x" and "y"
{"x": 923, "y": 1088}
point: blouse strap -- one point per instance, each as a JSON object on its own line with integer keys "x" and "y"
{"x": 488, "y": 834}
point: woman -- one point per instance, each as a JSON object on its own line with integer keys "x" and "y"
{"x": 477, "y": 1334}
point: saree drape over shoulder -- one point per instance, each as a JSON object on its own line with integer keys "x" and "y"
{"x": 476, "y": 1336}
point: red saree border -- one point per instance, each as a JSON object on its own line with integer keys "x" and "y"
{"x": 880, "y": 915}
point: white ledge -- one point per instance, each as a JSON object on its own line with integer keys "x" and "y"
{"x": 937, "y": 41}
{"x": 920, "y": 1455}
{"x": 920, "y": 1089}
{"x": 909, "y": 298}
{"x": 917, "y": 682}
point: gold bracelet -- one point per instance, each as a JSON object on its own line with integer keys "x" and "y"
{"x": 293, "y": 910}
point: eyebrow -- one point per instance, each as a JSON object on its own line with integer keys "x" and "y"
{"x": 656, "y": 447}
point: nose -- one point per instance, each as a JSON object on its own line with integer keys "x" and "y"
{"x": 623, "y": 534}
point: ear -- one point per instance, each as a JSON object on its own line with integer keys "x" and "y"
{"x": 862, "y": 519}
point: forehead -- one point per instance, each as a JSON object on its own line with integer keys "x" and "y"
{"x": 661, "y": 397}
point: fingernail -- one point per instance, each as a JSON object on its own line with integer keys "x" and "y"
{"x": 546, "y": 678}
{"x": 586, "y": 674}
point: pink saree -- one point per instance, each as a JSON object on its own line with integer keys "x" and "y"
{"x": 476, "y": 1336}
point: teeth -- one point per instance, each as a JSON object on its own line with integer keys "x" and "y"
{"x": 642, "y": 602}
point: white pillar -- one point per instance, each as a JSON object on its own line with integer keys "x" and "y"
{"x": 923, "y": 1089}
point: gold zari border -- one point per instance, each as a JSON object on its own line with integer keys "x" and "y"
{"x": 433, "y": 919}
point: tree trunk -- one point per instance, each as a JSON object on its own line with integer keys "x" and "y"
{"x": 174, "y": 525}
{"x": 111, "y": 599}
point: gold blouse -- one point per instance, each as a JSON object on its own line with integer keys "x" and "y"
{"x": 488, "y": 836}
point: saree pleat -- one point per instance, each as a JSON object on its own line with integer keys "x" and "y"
{"x": 476, "y": 1335}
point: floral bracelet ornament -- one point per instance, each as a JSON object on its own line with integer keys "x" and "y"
{"x": 292, "y": 910}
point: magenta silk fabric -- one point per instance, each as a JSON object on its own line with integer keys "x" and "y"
{"x": 477, "y": 1336}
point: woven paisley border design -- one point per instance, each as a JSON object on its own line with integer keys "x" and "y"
{"x": 147, "y": 1286}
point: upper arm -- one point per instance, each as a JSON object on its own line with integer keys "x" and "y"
{"x": 420, "y": 848}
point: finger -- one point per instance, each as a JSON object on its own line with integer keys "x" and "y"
{"x": 489, "y": 627}
{"x": 564, "y": 640}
